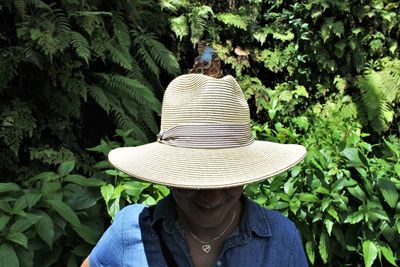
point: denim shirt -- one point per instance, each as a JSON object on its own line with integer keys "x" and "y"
{"x": 262, "y": 238}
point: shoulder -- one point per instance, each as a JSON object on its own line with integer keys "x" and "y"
{"x": 274, "y": 221}
{"x": 123, "y": 235}
{"x": 283, "y": 235}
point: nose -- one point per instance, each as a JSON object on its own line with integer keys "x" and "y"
{"x": 212, "y": 198}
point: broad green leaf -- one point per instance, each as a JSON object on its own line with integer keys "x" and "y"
{"x": 114, "y": 208}
{"x": 389, "y": 191}
{"x": 328, "y": 224}
{"x": 83, "y": 181}
{"x": 354, "y": 217}
{"x": 72, "y": 261}
{"x": 50, "y": 187}
{"x": 4, "y": 219}
{"x": 27, "y": 200}
{"x": 352, "y": 155}
{"x": 32, "y": 198}
{"x": 326, "y": 201}
{"x": 388, "y": 254}
{"x": 83, "y": 198}
{"x": 66, "y": 167}
{"x": 8, "y": 187}
{"x": 5, "y": 206}
{"x": 323, "y": 247}
{"x": 82, "y": 250}
{"x": 87, "y": 234}
{"x": 107, "y": 192}
{"x": 45, "y": 229}
{"x": 310, "y": 252}
{"x": 333, "y": 213}
{"x": 397, "y": 169}
{"x": 18, "y": 238}
{"x": 44, "y": 176}
{"x": 25, "y": 256}
{"x": 358, "y": 193}
{"x": 288, "y": 187}
{"x": 24, "y": 223}
{"x": 370, "y": 251}
{"x": 307, "y": 197}
{"x": 149, "y": 201}
{"x": 65, "y": 211}
{"x": 8, "y": 257}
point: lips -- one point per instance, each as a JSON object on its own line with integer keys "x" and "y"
{"x": 208, "y": 206}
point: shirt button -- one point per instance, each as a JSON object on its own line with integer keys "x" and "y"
{"x": 219, "y": 263}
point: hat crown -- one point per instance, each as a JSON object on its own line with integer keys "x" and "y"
{"x": 201, "y": 99}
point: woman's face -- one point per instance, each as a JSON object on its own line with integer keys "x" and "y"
{"x": 206, "y": 208}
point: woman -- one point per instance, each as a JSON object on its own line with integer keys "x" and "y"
{"x": 206, "y": 153}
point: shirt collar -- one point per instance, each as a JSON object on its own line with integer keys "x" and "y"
{"x": 165, "y": 210}
{"x": 253, "y": 218}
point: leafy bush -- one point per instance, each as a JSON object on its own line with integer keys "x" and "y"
{"x": 72, "y": 73}
{"x": 344, "y": 196}
{"x": 121, "y": 189}
{"x": 55, "y": 217}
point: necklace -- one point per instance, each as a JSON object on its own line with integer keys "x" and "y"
{"x": 206, "y": 245}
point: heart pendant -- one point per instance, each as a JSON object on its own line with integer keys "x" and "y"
{"x": 206, "y": 248}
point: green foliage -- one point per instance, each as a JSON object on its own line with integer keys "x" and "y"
{"x": 343, "y": 198}
{"x": 121, "y": 189}
{"x": 51, "y": 213}
{"x": 67, "y": 65}
{"x": 380, "y": 90}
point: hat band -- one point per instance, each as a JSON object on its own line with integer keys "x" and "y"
{"x": 207, "y": 136}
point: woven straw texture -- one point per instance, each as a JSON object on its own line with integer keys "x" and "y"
{"x": 196, "y": 99}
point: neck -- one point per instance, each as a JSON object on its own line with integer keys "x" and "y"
{"x": 229, "y": 222}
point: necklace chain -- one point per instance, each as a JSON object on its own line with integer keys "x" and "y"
{"x": 218, "y": 236}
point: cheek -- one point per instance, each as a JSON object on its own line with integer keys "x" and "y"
{"x": 235, "y": 192}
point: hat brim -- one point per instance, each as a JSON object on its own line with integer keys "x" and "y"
{"x": 206, "y": 168}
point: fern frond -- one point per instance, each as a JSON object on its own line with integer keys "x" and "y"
{"x": 129, "y": 87}
{"x": 121, "y": 30}
{"x": 391, "y": 79}
{"x": 234, "y": 20}
{"x": 34, "y": 57}
{"x": 9, "y": 64}
{"x": 359, "y": 58}
{"x": 126, "y": 123}
{"x": 137, "y": 73}
{"x": 158, "y": 52}
{"x": 374, "y": 101}
{"x": 20, "y": 8}
{"x": 63, "y": 30}
{"x": 120, "y": 55}
{"x": 142, "y": 55}
{"x": 17, "y": 123}
{"x": 173, "y": 5}
{"x": 179, "y": 26}
{"x": 74, "y": 85}
{"x": 97, "y": 93}
{"x": 198, "y": 19}
{"x": 148, "y": 118}
{"x": 40, "y": 4}
{"x": 81, "y": 46}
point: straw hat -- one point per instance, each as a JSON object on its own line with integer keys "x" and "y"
{"x": 205, "y": 140}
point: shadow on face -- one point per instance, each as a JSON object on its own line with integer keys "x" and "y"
{"x": 206, "y": 207}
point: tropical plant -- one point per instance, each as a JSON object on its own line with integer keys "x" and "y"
{"x": 52, "y": 211}
{"x": 67, "y": 64}
{"x": 380, "y": 91}
{"x": 120, "y": 189}
{"x": 344, "y": 198}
